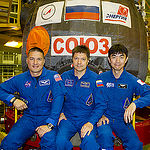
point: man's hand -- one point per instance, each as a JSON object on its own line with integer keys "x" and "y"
{"x": 86, "y": 129}
{"x": 19, "y": 104}
{"x": 41, "y": 130}
{"x": 128, "y": 115}
{"x": 103, "y": 120}
{"x": 61, "y": 117}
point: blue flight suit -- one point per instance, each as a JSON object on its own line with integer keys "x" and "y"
{"x": 118, "y": 94}
{"x": 45, "y": 99}
{"x": 83, "y": 103}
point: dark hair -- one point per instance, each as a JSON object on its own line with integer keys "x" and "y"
{"x": 36, "y": 49}
{"x": 118, "y": 49}
{"x": 81, "y": 49}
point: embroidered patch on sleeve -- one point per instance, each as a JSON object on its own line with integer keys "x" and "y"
{"x": 85, "y": 84}
{"x": 140, "y": 82}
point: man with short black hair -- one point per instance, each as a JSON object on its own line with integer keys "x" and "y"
{"x": 120, "y": 86}
{"x": 83, "y": 103}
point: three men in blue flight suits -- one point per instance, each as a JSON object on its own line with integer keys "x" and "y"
{"x": 83, "y": 105}
{"x": 42, "y": 89}
{"x": 84, "y": 102}
{"x": 120, "y": 86}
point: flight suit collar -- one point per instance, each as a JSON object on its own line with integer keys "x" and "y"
{"x": 42, "y": 75}
{"x": 122, "y": 75}
{"x": 86, "y": 75}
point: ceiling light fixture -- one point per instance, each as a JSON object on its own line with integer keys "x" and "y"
{"x": 13, "y": 44}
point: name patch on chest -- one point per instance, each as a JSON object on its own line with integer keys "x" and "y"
{"x": 109, "y": 84}
{"x": 69, "y": 82}
{"x": 44, "y": 82}
{"x": 122, "y": 86}
{"x": 85, "y": 84}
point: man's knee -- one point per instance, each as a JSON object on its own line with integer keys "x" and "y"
{"x": 104, "y": 130}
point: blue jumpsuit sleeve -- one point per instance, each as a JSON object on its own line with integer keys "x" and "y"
{"x": 57, "y": 103}
{"x": 100, "y": 103}
{"x": 7, "y": 89}
{"x": 143, "y": 90}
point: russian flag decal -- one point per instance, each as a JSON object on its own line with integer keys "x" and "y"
{"x": 82, "y": 11}
{"x": 99, "y": 83}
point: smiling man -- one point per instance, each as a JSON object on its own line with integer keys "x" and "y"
{"x": 83, "y": 104}
{"x": 120, "y": 86}
{"x": 42, "y": 90}
{"x": 35, "y": 62}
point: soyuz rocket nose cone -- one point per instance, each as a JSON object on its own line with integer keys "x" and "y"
{"x": 97, "y": 24}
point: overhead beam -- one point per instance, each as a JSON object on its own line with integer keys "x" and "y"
{"x": 4, "y": 4}
{"x": 6, "y": 37}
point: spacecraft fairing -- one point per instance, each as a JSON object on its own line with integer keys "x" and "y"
{"x": 95, "y": 23}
